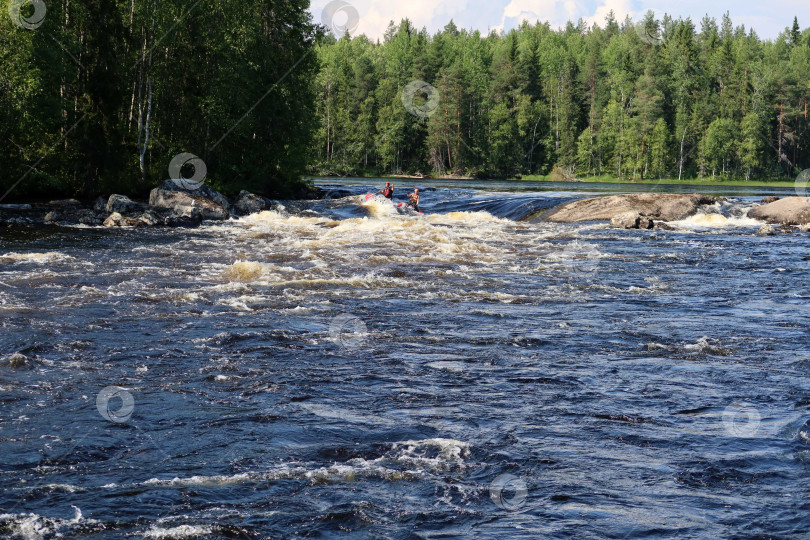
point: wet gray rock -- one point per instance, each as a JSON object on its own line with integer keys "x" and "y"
{"x": 69, "y": 215}
{"x": 248, "y": 203}
{"x": 769, "y": 200}
{"x": 151, "y": 218}
{"x": 632, "y": 220}
{"x": 20, "y": 222}
{"x": 123, "y": 205}
{"x": 187, "y": 205}
{"x": 787, "y": 211}
{"x": 202, "y": 191}
{"x": 117, "y": 220}
{"x": 766, "y": 230}
{"x": 660, "y": 206}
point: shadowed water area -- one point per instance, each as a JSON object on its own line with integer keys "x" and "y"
{"x": 347, "y": 369}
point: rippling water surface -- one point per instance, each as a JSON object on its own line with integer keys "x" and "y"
{"x": 346, "y": 369}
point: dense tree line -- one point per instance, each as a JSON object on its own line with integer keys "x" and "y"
{"x": 100, "y": 95}
{"x": 652, "y": 99}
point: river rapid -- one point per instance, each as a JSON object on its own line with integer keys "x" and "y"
{"x": 346, "y": 369}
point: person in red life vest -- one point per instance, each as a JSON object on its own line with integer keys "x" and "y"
{"x": 413, "y": 200}
{"x": 388, "y": 191}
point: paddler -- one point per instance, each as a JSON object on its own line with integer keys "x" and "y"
{"x": 387, "y": 191}
{"x": 413, "y": 199}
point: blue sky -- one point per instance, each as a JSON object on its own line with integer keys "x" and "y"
{"x": 767, "y": 18}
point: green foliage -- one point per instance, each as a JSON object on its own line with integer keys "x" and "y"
{"x": 645, "y": 100}
{"x": 105, "y": 93}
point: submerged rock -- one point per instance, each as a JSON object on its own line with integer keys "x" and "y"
{"x": 16, "y": 360}
{"x": 660, "y": 206}
{"x": 66, "y": 203}
{"x": 787, "y": 211}
{"x": 69, "y": 215}
{"x": 766, "y": 230}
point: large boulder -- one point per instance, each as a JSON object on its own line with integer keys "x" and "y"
{"x": 787, "y": 211}
{"x": 197, "y": 190}
{"x": 660, "y": 206}
{"x": 122, "y": 205}
{"x": 187, "y": 205}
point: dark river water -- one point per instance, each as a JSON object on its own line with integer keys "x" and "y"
{"x": 344, "y": 369}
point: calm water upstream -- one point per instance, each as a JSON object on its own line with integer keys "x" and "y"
{"x": 342, "y": 369}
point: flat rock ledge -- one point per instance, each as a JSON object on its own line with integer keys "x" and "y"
{"x": 172, "y": 204}
{"x": 632, "y": 211}
{"x": 787, "y": 211}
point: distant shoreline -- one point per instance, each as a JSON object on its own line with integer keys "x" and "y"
{"x": 592, "y": 180}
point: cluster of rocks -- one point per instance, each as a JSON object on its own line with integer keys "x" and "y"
{"x": 632, "y": 211}
{"x": 170, "y": 205}
{"x": 654, "y": 210}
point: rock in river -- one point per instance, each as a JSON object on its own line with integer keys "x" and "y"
{"x": 632, "y": 220}
{"x": 787, "y": 211}
{"x": 117, "y": 220}
{"x": 660, "y": 206}
{"x": 248, "y": 203}
{"x": 123, "y": 205}
{"x": 187, "y": 204}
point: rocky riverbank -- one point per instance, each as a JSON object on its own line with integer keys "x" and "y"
{"x": 176, "y": 203}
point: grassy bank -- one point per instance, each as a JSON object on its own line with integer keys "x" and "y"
{"x": 669, "y": 181}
